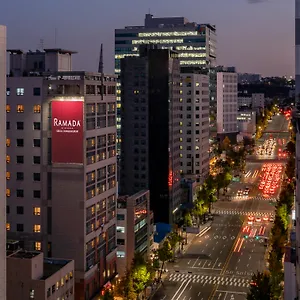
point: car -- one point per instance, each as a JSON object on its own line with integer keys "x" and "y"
{"x": 240, "y": 193}
{"x": 271, "y": 219}
{"x": 247, "y": 189}
{"x": 258, "y": 219}
{"x": 266, "y": 218}
{"x": 250, "y": 220}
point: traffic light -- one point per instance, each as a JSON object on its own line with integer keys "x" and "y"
{"x": 257, "y": 237}
{"x": 246, "y": 236}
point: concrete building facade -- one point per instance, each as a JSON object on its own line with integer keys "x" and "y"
{"x": 246, "y": 121}
{"x": 61, "y": 170}
{"x": 43, "y": 279}
{"x": 134, "y": 228}
{"x": 195, "y": 43}
{"x": 150, "y": 147}
{"x": 227, "y": 103}
{"x": 194, "y": 146}
{"x": 2, "y": 161}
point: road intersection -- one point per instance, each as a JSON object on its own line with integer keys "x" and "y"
{"x": 219, "y": 264}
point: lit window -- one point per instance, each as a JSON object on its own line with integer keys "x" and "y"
{"x": 120, "y": 253}
{"x": 8, "y": 159}
{"x": 121, "y": 229}
{"x": 38, "y": 246}
{"x": 7, "y": 175}
{"x": 37, "y": 228}
{"x": 37, "y": 211}
{"x": 20, "y": 108}
{"x": 7, "y": 108}
{"x": 36, "y": 109}
{"x": 20, "y": 91}
{"x": 71, "y": 275}
{"x": 57, "y": 285}
{"x": 7, "y": 192}
{"x": 31, "y": 294}
{"x": 62, "y": 282}
{"x": 7, "y": 142}
{"x": 7, "y": 226}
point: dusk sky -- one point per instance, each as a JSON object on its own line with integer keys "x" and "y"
{"x": 255, "y": 36}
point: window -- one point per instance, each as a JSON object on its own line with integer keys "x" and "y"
{"x": 36, "y": 125}
{"x": 120, "y": 253}
{"x": 7, "y": 192}
{"x": 37, "y": 228}
{"x": 120, "y": 217}
{"x": 20, "y": 193}
{"x": 121, "y": 229}
{"x": 7, "y": 142}
{"x": 20, "y": 108}
{"x": 20, "y": 227}
{"x": 37, "y": 109}
{"x": 36, "y": 91}
{"x": 8, "y": 226}
{"x": 20, "y": 210}
{"x": 120, "y": 241}
{"x": 38, "y": 246}
{"x": 36, "y": 160}
{"x": 36, "y": 176}
{"x": 36, "y": 211}
{"x": 7, "y": 125}
{"x": 7, "y": 91}
{"x": 7, "y": 209}
{"x": 36, "y": 194}
{"x": 20, "y": 91}
{"x": 8, "y": 159}
{"x": 7, "y": 175}
{"x": 20, "y": 142}
{"x": 20, "y": 125}
{"x": 7, "y": 108}
{"x": 20, "y": 176}
{"x": 36, "y": 143}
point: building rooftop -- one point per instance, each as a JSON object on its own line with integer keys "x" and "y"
{"x": 59, "y": 50}
{"x": 51, "y": 266}
{"x": 53, "y": 50}
{"x": 21, "y": 254}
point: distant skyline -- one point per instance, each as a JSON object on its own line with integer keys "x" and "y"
{"x": 255, "y": 36}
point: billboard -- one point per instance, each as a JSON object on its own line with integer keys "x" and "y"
{"x": 67, "y": 132}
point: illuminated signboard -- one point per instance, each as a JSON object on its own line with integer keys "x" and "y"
{"x": 67, "y": 132}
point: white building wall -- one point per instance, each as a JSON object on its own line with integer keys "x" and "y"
{"x": 2, "y": 162}
{"x": 227, "y": 102}
{"x": 195, "y": 125}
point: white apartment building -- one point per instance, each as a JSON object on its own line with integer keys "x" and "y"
{"x": 254, "y": 101}
{"x": 227, "y": 103}
{"x": 246, "y": 121}
{"x": 61, "y": 170}
{"x": 42, "y": 279}
{"x": 194, "y": 148}
{"x": 134, "y": 228}
{"x": 2, "y": 161}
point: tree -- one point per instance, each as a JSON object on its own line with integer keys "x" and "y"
{"x": 199, "y": 210}
{"x": 129, "y": 292}
{"x": 290, "y": 147}
{"x": 290, "y": 168}
{"x": 108, "y": 295}
{"x": 187, "y": 220}
{"x": 174, "y": 238}
{"x": 164, "y": 254}
{"x": 226, "y": 143}
{"x": 283, "y": 215}
{"x": 260, "y": 288}
{"x": 141, "y": 278}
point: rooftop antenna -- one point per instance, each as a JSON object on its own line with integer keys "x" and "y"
{"x": 100, "y": 70}
{"x": 55, "y": 37}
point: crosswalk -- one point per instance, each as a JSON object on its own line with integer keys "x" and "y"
{"x": 242, "y": 212}
{"x": 273, "y": 199}
{"x": 210, "y": 279}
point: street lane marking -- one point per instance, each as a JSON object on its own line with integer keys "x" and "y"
{"x": 178, "y": 289}
{"x": 183, "y": 289}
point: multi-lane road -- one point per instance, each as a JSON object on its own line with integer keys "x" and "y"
{"x": 219, "y": 264}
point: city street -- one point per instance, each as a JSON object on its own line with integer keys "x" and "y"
{"x": 219, "y": 264}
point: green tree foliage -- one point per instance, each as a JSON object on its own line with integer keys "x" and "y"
{"x": 291, "y": 147}
{"x": 226, "y": 143}
{"x": 141, "y": 278}
{"x": 187, "y": 219}
{"x": 290, "y": 167}
{"x": 129, "y": 292}
{"x": 260, "y": 287}
{"x": 164, "y": 254}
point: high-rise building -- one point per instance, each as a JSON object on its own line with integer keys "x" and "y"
{"x": 151, "y": 131}
{"x": 61, "y": 170}
{"x": 194, "y": 146}
{"x": 2, "y": 161}
{"x": 134, "y": 229}
{"x": 195, "y": 43}
{"x": 227, "y": 103}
